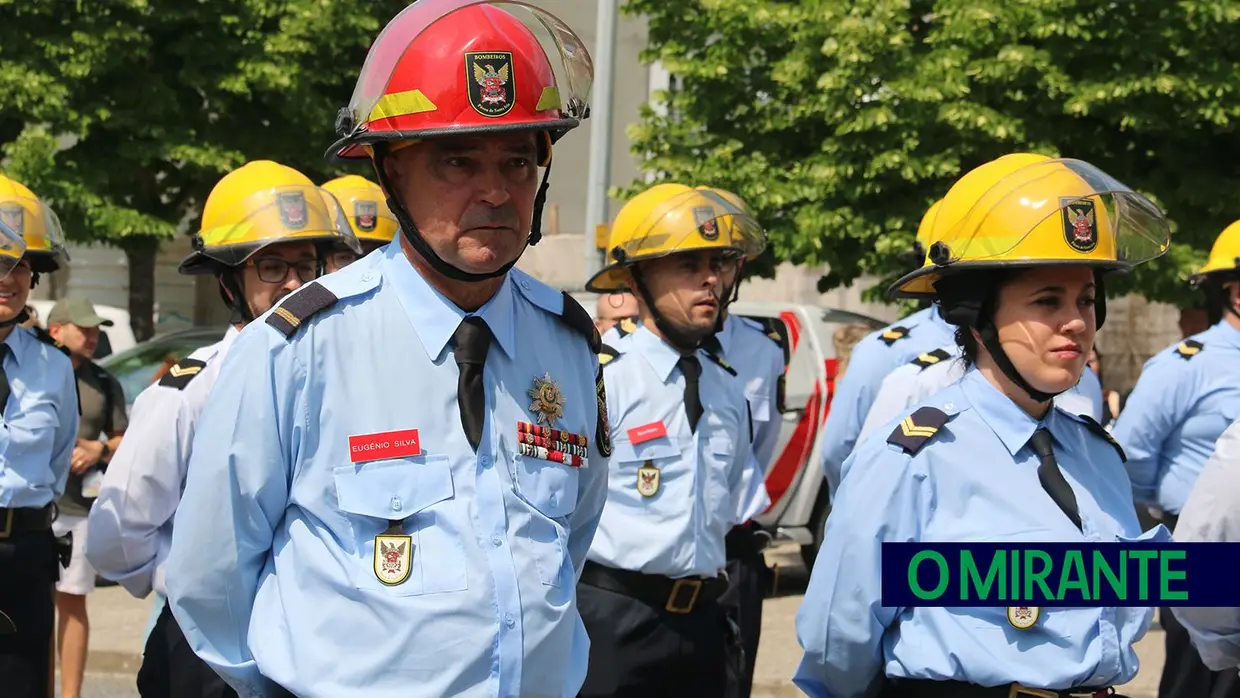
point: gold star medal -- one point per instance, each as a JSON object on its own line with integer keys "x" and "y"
{"x": 548, "y": 400}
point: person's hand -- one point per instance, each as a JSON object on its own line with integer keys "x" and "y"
{"x": 85, "y": 455}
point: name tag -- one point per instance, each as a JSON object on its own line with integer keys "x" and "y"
{"x": 647, "y": 432}
{"x": 388, "y": 444}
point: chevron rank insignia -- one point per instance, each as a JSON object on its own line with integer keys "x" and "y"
{"x": 917, "y": 429}
{"x": 1189, "y": 348}
{"x": 891, "y": 335}
{"x": 1100, "y": 430}
{"x": 931, "y": 358}
{"x": 181, "y": 373}
{"x": 606, "y": 354}
{"x": 299, "y": 307}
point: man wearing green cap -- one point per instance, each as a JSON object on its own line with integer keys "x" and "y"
{"x": 74, "y": 324}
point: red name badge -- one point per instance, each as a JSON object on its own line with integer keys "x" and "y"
{"x": 646, "y": 432}
{"x": 389, "y": 444}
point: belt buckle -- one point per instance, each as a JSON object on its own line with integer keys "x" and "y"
{"x": 672, "y": 607}
{"x": 7, "y": 529}
{"x": 1019, "y": 691}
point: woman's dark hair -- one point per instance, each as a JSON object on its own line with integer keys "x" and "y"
{"x": 968, "y": 346}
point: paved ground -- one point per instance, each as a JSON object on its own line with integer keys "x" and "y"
{"x": 118, "y": 621}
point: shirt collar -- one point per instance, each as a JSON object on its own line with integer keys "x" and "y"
{"x": 658, "y": 353}
{"x": 726, "y": 335}
{"x": 17, "y": 343}
{"x": 434, "y": 317}
{"x": 1006, "y": 419}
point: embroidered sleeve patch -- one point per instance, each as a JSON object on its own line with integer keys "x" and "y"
{"x": 917, "y": 429}
{"x": 182, "y": 373}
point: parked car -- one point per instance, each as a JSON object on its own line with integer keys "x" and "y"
{"x": 799, "y": 502}
{"x": 144, "y": 363}
{"x": 117, "y": 338}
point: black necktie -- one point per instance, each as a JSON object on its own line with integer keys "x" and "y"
{"x": 470, "y": 343}
{"x": 5, "y": 389}
{"x": 1052, "y": 479}
{"x": 712, "y": 345}
{"x": 692, "y": 370}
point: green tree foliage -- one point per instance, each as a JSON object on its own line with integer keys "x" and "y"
{"x": 841, "y": 121}
{"x": 124, "y": 113}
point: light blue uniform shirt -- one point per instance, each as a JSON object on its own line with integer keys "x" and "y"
{"x": 679, "y": 531}
{"x": 912, "y": 383}
{"x": 1176, "y": 412}
{"x": 1212, "y": 515}
{"x": 759, "y": 364}
{"x": 272, "y": 573}
{"x": 878, "y": 354}
{"x": 40, "y": 424}
{"x": 976, "y": 480}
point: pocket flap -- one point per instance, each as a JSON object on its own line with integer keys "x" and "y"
{"x": 393, "y": 489}
{"x": 722, "y": 445}
{"x": 625, "y": 451}
{"x": 760, "y": 407}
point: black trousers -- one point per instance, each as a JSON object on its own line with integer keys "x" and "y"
{"x": 1184, "y": 676}
{"x": 748, "y": 580}
{"x": 170, "y": 669}
{"x": 640, "y": 651}
{"x": 28, "y": 574}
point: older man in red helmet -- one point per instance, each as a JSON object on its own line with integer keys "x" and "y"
{"x": 397, "y": 478}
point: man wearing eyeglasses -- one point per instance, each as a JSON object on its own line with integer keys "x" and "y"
{"x": 265, "y": 231}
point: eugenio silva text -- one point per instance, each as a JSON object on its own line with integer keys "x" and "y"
{"x": 1061, "y": 574}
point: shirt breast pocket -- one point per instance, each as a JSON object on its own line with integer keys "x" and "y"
{"x": 759, "y": 406}
{"x": 418, "y": 492}
{"x": 31, "y": 434}
{"x": 722, "y": 448}
{"x": 550, "y": 488}
{"x": 652, "y": 478}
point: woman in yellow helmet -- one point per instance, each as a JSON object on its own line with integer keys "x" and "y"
{"x": 366, "y": 207}
{"x": 39, "y": 414}
{"x": 1022, "y": 246}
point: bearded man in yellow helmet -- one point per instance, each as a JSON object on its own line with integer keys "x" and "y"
{"x": 682, "y": 435}
{"x": 366, "y": 208}
{"x": 1019, "y": 270}
{"x": 265, "y": 230}
{"x": 1187, "y": 395}
{"x": 39, "y": 411}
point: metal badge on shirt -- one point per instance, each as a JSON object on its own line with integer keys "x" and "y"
{"x": 648, "y": 476}
{"x": 539, "y": 439}
{"x": 1023, "y": 617}
{"x": 393, "y": 548}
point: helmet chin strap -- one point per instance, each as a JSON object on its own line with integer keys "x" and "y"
{"x": 230, "y": 283}
{"x": 684, "y": 341}
{"x": 729, "y": 297}
{"x": 990, "y": 340}
{"x": 411, "y": 233}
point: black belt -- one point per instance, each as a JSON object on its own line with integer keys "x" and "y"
{"x": 746, "y": 540}
{"x": 919, "y": 688}
{"x": 672, "y": 595}
{"x": 25, "y": 520}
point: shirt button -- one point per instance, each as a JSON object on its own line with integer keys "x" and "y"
{"x": 497, "y": 541}
{"x": 486, "y": 462}
{"x": 396, "y": 504}
{"x": 509, "y": 620}
{"x": 368, "y": 276}
{"x": 552, "y": 498}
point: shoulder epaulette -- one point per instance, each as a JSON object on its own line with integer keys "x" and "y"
{"x": 917, "y": 429}
{"x": 299, "y": 307}
{"x": 1098, "y": 429}
{"x": 774, "y": 337}
{"x": 931, "y": 358}
{"x": 626, "y": 326}
{"x": 577, "y": 318}
{"x": 602, "y": 424}
{"x": 44, "y": 336}
{"x": 719, "y": 360}
{"x": 607, "y": 354}
{"x": 1189, "y": 348}
{"x": 891, "y": 335}
{"x": 181, "y": 373}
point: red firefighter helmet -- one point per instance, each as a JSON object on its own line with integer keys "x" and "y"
{"x": 454, "y": 67}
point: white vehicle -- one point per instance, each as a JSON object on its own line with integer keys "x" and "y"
{"x": 799, "y": 502}
{"x": 115, "y": 339}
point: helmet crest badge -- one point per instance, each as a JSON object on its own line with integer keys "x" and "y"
{"x": 490, "y": 82}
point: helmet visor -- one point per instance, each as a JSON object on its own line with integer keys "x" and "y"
{"x": 278, "y": 215}
{"x": 1057, "y": 211}
{"x": 574, "y": 69}
{"x": 12, "y": 247}
{"x": 368, "y": 213}
{"x": 36, "y": 222}
{"x": 694, "y": 220}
